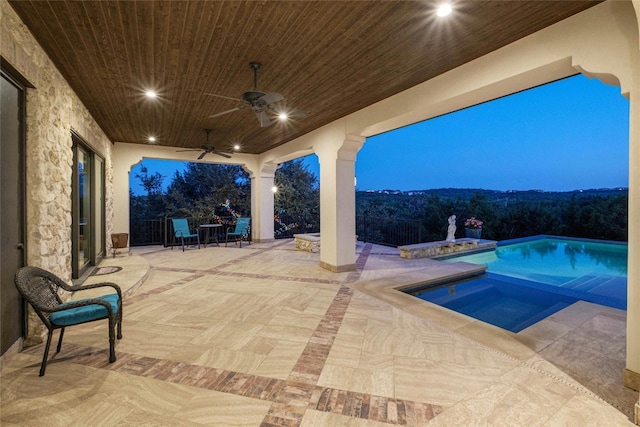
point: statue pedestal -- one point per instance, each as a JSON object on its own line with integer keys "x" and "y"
{"x": 444, "y": 248}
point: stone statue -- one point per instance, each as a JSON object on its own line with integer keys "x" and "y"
{"x": 451, "y": 230}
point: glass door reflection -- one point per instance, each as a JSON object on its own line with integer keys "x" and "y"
{"x": 84, "y": 205}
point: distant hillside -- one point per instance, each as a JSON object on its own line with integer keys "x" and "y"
{"x": 509, "y": 196}
{"x": 593, "y": 213}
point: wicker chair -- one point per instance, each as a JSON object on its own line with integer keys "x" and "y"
{"x": 40, "y": 289}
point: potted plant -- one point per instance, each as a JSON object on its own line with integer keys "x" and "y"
{"x": 473, "y": 228}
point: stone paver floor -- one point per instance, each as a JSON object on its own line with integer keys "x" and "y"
{"x": 263, "y": 336}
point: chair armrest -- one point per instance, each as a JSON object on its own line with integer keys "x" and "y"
{"x": 98, "y": 285}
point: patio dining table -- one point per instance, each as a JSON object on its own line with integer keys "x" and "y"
{"x": 207, "y": 228}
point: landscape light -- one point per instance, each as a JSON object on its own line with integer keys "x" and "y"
{"x": 274, "y": 189}
{"x": 444, "y": 9}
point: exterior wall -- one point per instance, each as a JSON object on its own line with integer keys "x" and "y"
{"x": 53, "y": 110}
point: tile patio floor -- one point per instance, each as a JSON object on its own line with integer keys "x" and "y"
{"x": 262, "y": 336}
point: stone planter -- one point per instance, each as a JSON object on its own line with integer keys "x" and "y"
{"x": 473, "y": 233}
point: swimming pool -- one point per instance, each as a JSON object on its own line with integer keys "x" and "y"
{"x": 495, "y": 299}
{"x": 554, "y": 260}
{"x": 530, "y": 279}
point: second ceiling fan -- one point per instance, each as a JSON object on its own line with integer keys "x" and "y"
{"x": 260, "y": 102}
{"x": 207, "y": 149}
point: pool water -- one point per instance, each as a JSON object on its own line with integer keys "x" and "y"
{"x": 554, "y": 261}
{"x": 530, "y": 279}
{"x": 494, "y": 299}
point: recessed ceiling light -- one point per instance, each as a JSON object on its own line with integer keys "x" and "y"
{"x": 236, "y": 147}
{"x": 444, "y": 9}
{"x": 151, "y": 94}
{"x": 283, "y": 116}
{"x": 152, "y": 139}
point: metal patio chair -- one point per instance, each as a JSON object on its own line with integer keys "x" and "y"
{"x": 181, "y": 231}
{"x": 240, "y": 231}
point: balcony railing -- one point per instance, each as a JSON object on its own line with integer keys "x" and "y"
{"x": 388, "y": 231}
{"x": 285, "y": 226}
{"x": 147, "y": 232}
{"x": 382, "y": 231}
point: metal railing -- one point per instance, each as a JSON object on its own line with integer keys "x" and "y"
{"x": 285, "y": 226}
{"x": 379, "y": 230}
{"x": 388, "y": 231}
{"x": 145, "y": 232}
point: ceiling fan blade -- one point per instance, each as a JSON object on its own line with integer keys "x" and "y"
{"x": 271, "y": 98}
{"x": 263, "y": 118}
{"x": 298, "y": 113}
{"x": 222, "y": 96}
{"x": 195, "y": 149}
{"x": 226, "y": 112}
{"x": 201, "y": 156}
{"x": 220, "y": 153}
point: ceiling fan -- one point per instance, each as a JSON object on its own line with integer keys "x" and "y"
{"x": 207, "y": 148}
{"x": 260, "y": 102}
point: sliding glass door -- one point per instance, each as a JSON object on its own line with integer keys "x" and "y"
{"x": 88, "y": 208}
{"x": 84, "y": 204}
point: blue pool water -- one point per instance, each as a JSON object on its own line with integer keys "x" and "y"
{"x": 554, "y": 260}
{"x": 530, "y": 279}
{"x": 495, "y": 299}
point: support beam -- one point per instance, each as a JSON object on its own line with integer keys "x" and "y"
{"x": 123, "y": 161}
{"x": 631, "y": 375}
{"x": 338, "y": 202}
{"x": 262, "y": 202}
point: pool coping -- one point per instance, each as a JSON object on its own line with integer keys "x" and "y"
{"x": 553, "y": 236}
{"x": 390, "y": 290}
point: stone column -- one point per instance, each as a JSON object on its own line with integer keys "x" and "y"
{"x": 338, "y": 203}
{"x": 262, "y": 202}
{"x": 124, "y": 158}
{"x": 632, "y": 372}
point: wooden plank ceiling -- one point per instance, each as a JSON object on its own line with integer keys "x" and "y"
{"x": 327, "y": 58}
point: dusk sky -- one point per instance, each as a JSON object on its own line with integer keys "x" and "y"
{"x": 568, "y": 135}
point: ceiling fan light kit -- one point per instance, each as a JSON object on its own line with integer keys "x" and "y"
{"x": 260, "y": 102}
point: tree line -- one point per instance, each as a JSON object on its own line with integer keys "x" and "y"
{"x": 598, "y": 216}
{"x": 223, "y": 192}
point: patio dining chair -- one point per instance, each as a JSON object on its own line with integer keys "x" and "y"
{"x": 40, "y": 289}
{"x": 181, "y": 231}
{"x": 239, "y": 232}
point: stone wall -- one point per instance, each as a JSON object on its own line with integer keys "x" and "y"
{"x": 444, "y": 248}
{"x": 307, "y": 242}
{"x": 53, "y": 110}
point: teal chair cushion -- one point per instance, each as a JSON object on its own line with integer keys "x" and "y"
{"x": 76, "y": 315}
